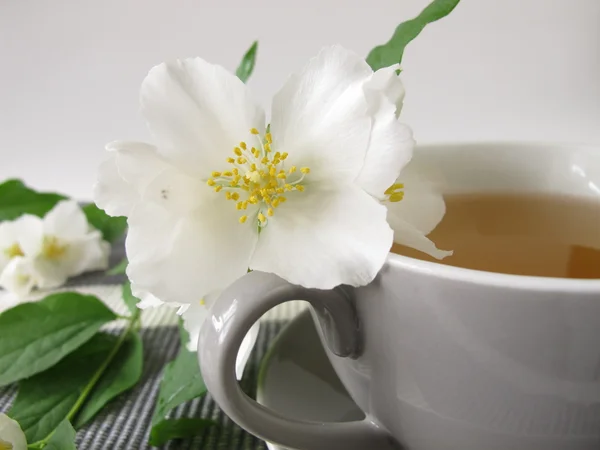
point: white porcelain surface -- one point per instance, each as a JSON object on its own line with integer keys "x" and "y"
{"x": 296, "y": 378}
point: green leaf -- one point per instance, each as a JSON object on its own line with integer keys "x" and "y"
{"x": 17, "y": 199}
{"x": 119, "y": 268}
{"x": 46, "y": 399}
{"x": 112, "y": 228}
{"x": 130, "y": 300}
{"x": 35, "y": 336}
{"x": 181, "y": 382}
{"x": 246, "y": 67}
{"x": 392, "y": 51}
{"x": 63, "y": 438}
{"x": 122, "y": 374}
{"x": 177, "y": 429}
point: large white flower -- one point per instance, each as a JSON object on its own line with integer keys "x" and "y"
{"x": 45, "y": 252}
{"x": 11, "y": 435}
{"x": 219, "y": 194}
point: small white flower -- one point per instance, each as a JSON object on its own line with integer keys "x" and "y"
{"x": 19, "y": 276}
{"x": 65, "y": 245}
{"x": 11, "y": 435}
{"x": 44, "y": 253}
{"x": 219, "y": 195}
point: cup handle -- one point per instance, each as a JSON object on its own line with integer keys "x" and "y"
{"x": 236, "y": 310}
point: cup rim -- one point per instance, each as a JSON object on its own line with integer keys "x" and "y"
{"x": 480, "y": 277}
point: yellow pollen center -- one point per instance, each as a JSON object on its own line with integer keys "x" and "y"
{"x": 5, "y": 445}
{"x": 52, "y": 248}
{"x": 395, "y": 192}
{"x": 258, "y": 177}
{"x": 11, "y": 252}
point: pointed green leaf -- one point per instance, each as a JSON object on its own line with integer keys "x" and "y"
{"x": 130, "y": 300}
{"x": 63, "y": 438}
{"x": 112, "y": 228}
{"x": 246, "y": 67}
{"x": 181, "y": 381}
{"x": 46, "y": 399}
{"x": 17, "y": 199}
{"x": 392, "y": 51}
{"x": 119, "y": 268}
{"x": 122, "y": 374}
{"x": 35, "y": 336}
{"x": 177, "y": 429}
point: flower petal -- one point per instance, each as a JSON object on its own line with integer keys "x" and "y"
{"x": 11, "y": 432}
{"x": 320, "y": 115}
{"x": 66, "y": 220}
{"x": 18, "y": 277}
{"x": 111, "y": 192}
{"x": 409, "y": 235}
{"x": 385, "y": 85}
{"x": 419, "y": 212}
{"x": 31, "y": 234}
{"x": 197, "y": 113}
{"x": 324, "y": 238}
{"x": 178, "y": 258}
{"x": 390, "y": 149}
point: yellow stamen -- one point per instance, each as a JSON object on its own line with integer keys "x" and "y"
{"x": 262, "y": 218}
{"x": 270, "y": 211}
{"x": 305, "y": 170}
{"x": 235, "y": 196}
{"x": 216, "y": 174}
{"x": 52, "y": 248}
{"x": 243, "y": 145}
{"x": 241, "y": 160}
{"x": 299, "y": 187}
{"x": 202, "y": 302}
{"x": 269, "y": 138}
{"x": 396, "y": 196}
{"x": 243, "y": 219}
{"x": 239, "y": 205}
{"x": 228, "y": 195}
{"x": 230, "y": 160}
{"x": 253, "y": 131}
{"x": 237, "y": 151}
{"x": 394, "y": 187}
{"x": 282, "y": 176}
{"x": 14, "y": 250}
{"x": 227, "y": 174}
{"x": 284, "y": 155}
{"x": 218, "y": 188}
{"x": 210, "y": 182}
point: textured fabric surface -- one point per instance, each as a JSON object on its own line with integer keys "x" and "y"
{"x": 124, "y": 424}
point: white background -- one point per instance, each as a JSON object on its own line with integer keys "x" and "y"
{"x": 494, "y": 69}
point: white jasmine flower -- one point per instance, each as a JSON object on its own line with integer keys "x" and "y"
{"x": 11, "y": 232}
{"x": 64, "y": 245}
{"x": 45, "y": 252}
{"x": 19, "y": 276}
{"x": 11, "y": 435}
{"x": 219, "y": 194}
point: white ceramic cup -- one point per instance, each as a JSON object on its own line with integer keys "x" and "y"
{"x": 439, "y": 357}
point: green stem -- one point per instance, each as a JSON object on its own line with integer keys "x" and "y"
{"x": 133, "y": 324}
